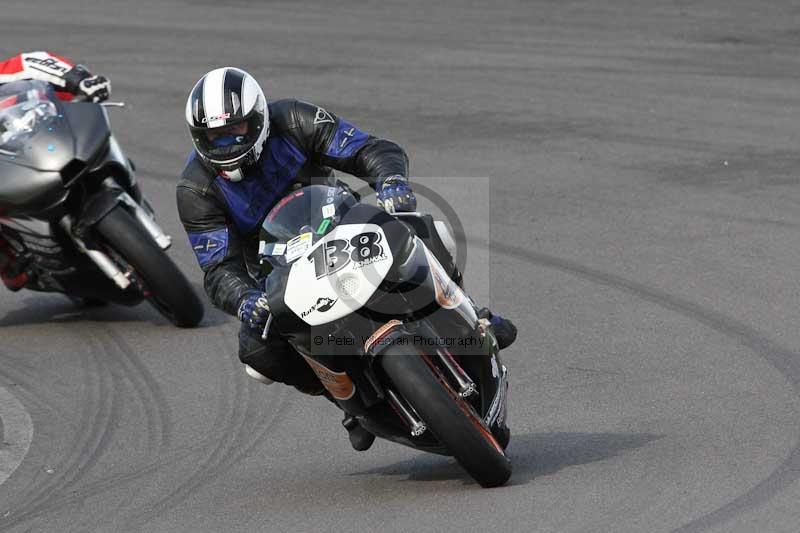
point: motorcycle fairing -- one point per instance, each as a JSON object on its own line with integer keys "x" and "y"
{"x": 356, "y": 260}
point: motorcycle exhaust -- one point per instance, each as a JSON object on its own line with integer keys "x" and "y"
{"x": 100, "y": 259}
{"x": 408, "y": 413}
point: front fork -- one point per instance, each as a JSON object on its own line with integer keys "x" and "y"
{"x": 453, "y": 372}
{"x": 142, "y": 213}
{"x": 450, "y": 369}
{"x": 101, "y": 259}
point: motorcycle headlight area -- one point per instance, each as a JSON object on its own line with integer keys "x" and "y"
{"x": 348, "y": 285}
{"x": 19, "y": 122}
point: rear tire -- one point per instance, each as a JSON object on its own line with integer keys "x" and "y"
{"x": 169, "y": 290}
{"x": 451, "y": 419}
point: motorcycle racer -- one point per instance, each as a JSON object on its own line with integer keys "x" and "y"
{"x": 70, "y": 80}
{"x": 248, "y": 154}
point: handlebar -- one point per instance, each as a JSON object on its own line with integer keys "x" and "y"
{"x": 265, "y": 333}
{"x": 82, "y": 98}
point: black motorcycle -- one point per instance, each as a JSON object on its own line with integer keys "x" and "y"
{"x": 72, "y": 218}
{"x": 364, "y": 299}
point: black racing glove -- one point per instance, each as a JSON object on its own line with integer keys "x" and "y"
{"x": 82, "y": 83}
{"x": 254, "y": 309}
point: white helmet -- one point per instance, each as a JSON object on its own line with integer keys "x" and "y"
{"x": 228, "y": 120}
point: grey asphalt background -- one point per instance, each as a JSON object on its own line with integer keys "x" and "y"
{"x": 643, "y": 166}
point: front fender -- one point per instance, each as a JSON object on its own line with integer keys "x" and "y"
{"x": 98, "y": 206}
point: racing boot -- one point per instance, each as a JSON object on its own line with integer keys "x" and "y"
{"x": 504, "y": 330}
{"x": 360, "y": 438}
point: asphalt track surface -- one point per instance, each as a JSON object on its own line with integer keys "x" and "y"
{"x": 643, "y": 165}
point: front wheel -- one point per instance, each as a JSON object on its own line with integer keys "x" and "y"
{"x": 451, "y": 419}
{"x": 162, "y": 283}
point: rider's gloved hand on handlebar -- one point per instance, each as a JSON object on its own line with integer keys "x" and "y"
{"x": 83, "y": 84}
{"x": 395, "y": 195}
{"x": 254, "y": 309}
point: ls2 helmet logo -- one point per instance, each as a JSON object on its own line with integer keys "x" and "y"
{"x": 223, "y": 116}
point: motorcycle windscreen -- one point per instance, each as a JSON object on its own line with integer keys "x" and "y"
{"x": 314, "y": 208}
{"x": 26, "y": 109}
{"x": 39, "y": 131}
{"x": 27, "y": 114}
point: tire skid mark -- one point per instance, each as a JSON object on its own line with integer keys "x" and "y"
{"x": 93, "y": 436}
{"x": 109, "y": 412}
{"x": 122, "y": 371}
{"x": 237, "y": 449}
{"x": 101, "y": 356}
{"x": 117, "y": 480}
{"x": 232, "y": 442}
{"x": 27, "y": 390}
{"x": 146, "y": 388}
{"x": 27, "y": 381}
{"x": 17, "y": 433}
{"x": 285, "y": 401}
{"x": 783, "y": 359}
{"x": 43, "y": 485}
{"x": 151, "y": 424}
{"x": 228, "y": 457}
{"x": 114, "y": 354}
{"x": 255, "y": 409}
{"x": 95, "y": 429}
{"x": 227, "y": 420}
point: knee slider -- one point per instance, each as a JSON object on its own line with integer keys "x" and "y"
{"x": 256, "y": 375}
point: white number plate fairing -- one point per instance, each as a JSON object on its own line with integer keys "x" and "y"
{"x": 339, "y": 274}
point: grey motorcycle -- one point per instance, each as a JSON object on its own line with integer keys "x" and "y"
{"x": 71, "y": 214}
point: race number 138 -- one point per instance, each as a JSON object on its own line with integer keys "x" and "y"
{"x": 336, "y": 254}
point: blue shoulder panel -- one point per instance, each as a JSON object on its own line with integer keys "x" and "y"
{"x": 262, "y": 186}
{"x": 346, "y": 141}
{"x": 210, "y": 247}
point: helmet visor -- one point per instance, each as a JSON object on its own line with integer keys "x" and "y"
{"x": 229, "y": 142}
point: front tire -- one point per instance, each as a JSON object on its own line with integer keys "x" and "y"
{"x": 165, "y": 286}
{"x": 451, "y": 419}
